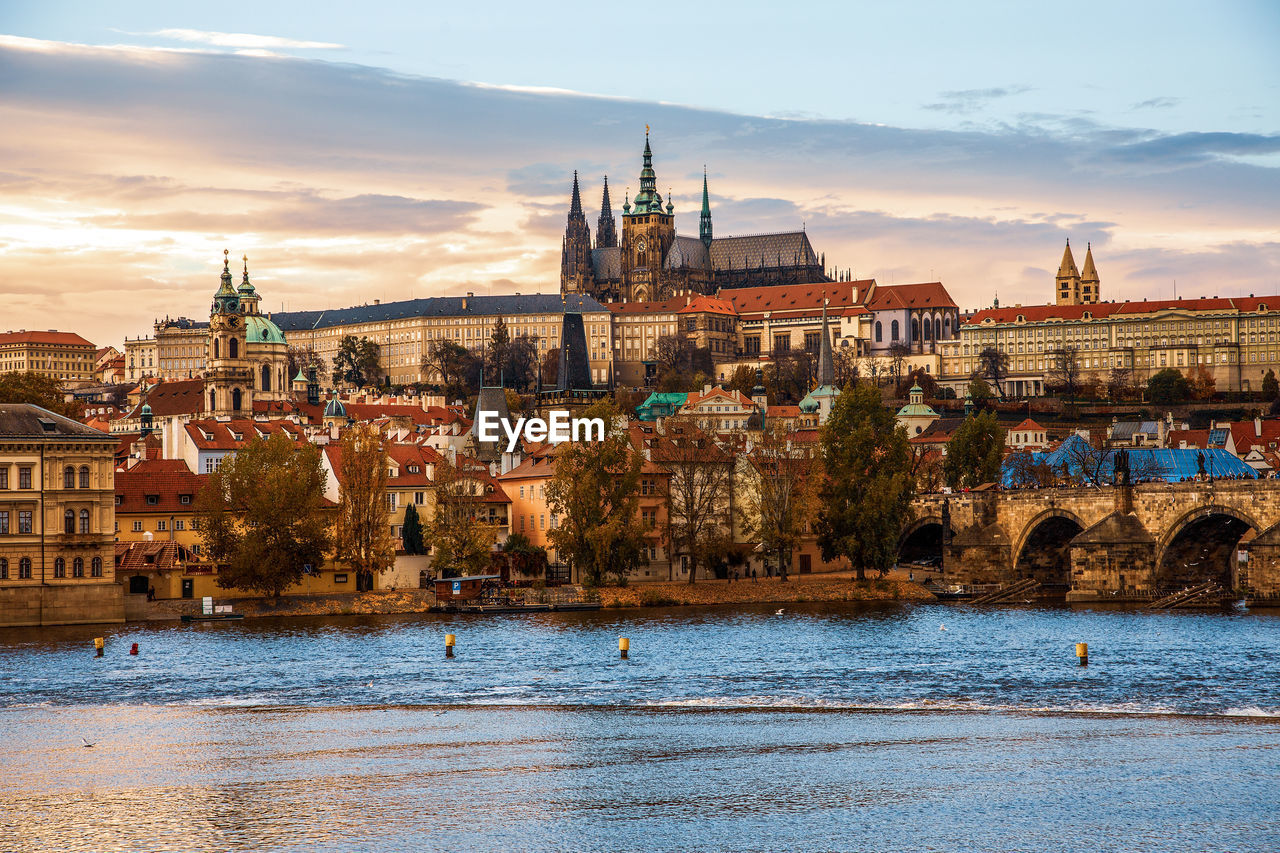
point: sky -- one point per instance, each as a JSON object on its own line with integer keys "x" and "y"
{"x": 389, "y": 151}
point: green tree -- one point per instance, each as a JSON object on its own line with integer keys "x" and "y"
{"x": 1168, "y": 386}
{"x": 363, "y": 538}
{"x": 411, "y": 531}
{"x": 1270, "y": 387}
{"x": 867, "y": 486}
{"x": 974, "y": 452}
{"x": 594, "y": 496}
{"x": 453, "y": 366}
{"x": 262, "y": 515}
{"x": 358, "y": 362}
{"x": 979, "y": 391}
{"x": 39, "y": 390}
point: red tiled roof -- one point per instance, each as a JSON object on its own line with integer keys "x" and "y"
{"x": 795, "y": 297}
{"x": 708, "y": 305}
{"x": 929, "y": 294}
{"x": 174, "y": 397}
{"x": 167, "y": 480}
{"x": 1040, "y": 313}
{"x": 134, "y": 557}
{"x": 65, "y": 339}
{"x": 1027, "y": 424}
{"x": 223, "y": 432}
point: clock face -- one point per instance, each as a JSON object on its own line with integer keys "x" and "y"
{"x": 641, "y": 245}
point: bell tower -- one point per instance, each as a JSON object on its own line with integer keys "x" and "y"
{"x": 228, "y": 380}
{"x": 648, "y": 232}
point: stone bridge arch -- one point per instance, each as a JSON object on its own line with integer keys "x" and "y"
{"x": 1200, "y": 545}
{"x": 1042, "y": 550}
{"x": 922, "y": 539}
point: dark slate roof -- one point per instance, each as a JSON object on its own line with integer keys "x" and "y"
{"x": 687, "y": 253}
{"x": 436, "y": 306}
{"x": 491, "y": 399}
{"x": 769, "y": 250}
{"x": 607, "y": 263}
{"x": 25, "y": 419}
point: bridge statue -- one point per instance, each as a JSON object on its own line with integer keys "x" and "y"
{"x": 1120, "y": 460}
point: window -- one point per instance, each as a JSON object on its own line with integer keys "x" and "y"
{"x": 893, "y": 331}
{"x": 4, "y": 569}
{"x": 161, "y": 525}
{"x": 4, "y": 477}
{"x": 84, "y": 476}
{"x": 84, "y": 521}
{"x": 68, "y": 477}
{"x": 77, "y": 567}
{"x": 24, "y": 477}
{"x": 96, "y": 569}
{"x": 152, "y": 500}
{"x": 137, "y": 527}
{"x": 179, "y": 525}
{"x": 184, "y": 499}
{"x": 24, "y": 568}
{"x": 24, "y": 521}
{"x": 4, "y": 522}
{"x": 69, "y": 521}
{"x": 59, "y": 568}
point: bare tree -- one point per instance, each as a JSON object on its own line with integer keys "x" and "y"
{"x": 699, "y": 490}
{"x": 784, "y": 496}
{"x": 898, "y": 352}
{"x": 1119, "y": 383}
{"x": 1064, "y": 373}
{"x": 926, "y": 468}
{"x": 993, "y": 366}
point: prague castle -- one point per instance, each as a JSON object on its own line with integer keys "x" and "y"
{"x": 651, "y": 262}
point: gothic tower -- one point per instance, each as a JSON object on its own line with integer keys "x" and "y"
{"x": 647, "y": 234}
{"x": 1068, "y": 279}
{"x": 606, "y": 230}
{"x": 227, "y": 380}
{"x": 704, "y": 222}
{"x": 576, "y": 272}
{"x": 1090, "y": 286}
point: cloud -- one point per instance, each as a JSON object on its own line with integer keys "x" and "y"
{"x": 136, "y": 167}
{"x": 1161, "y": 103}
{"x": 963, "y": 101}
{"x": 240, "y": 40}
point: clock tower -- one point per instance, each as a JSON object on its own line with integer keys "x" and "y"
{"x": 228, "y": 379}
{"x": 648, "y": 231}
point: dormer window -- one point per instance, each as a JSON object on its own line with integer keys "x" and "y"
{"x": 152, "y": 500}
{"x": 184, "y": 499}
{"x": 238, "y": 436}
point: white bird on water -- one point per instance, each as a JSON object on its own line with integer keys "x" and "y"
{"x": 370, "y": 684}
{"x": 441, "y": 713}
{"x": 779, "y": 613}
{"x": 85, "y": 742}
{"x": 942, "y": 627}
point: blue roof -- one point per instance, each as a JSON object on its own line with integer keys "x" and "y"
{"x": 439, "y": 306}
{"x": 1173, "y": 465}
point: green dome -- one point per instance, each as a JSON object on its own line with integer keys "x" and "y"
{"x": 260, "y": 329}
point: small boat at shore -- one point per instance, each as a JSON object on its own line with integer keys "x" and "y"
{"x": 210, "y": 617}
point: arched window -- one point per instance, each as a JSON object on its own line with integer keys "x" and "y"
{"x": 215, "y": 348}
{"x": 77, "y": 567}
{"x": 4, "y": 569}
{"x": 233, "y": 348}
{"x": 96, "y": 571}
{"x": 69, "y": 521}
{"x": 235, "y": 399}
{"x": 68, "y": 477}
{"x": 946, "y": 326}
{"x": 213, "y": 399}
{"x": 915, "y": 329}
{"x": 893, "y": 331}
{"x": 84, "y": 476}
{"x": 59, "y": 568}
{"x": 266, "y": 378}
{"x": 84, "y": 521}
{"x": 879, "y": 332}
{"x": 24, "y": 569}
{"x": 937, "y": 328}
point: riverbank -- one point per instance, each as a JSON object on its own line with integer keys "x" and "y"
{"x": 381, "y": 601}
{"x": 798, "y": 588}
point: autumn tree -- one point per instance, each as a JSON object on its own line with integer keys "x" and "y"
{"x": 262, "y": 515}
{"x": 783, "y": 496}
{"x": 867, "y": 486}
{"x": 926, "y": 468}
{"x": 1270, "y": 387}
{"x": 1201, "y": 383}
{"x": 993, "y": 366}
{"x": 974, "y": 452}
{"x": 457, "y": 534}
{"x": 305, "y": 359}
{"x": 698, "y": 491}
{"x": 453, "y": 366}
{"x": 38, "y": 390}
{"x": 363, "y": 531}
{"x": 594, "y": 497}
{"x": 1064, "y": 373}
{"x": 358, "y": 362}
{"x": 549, "y": 367}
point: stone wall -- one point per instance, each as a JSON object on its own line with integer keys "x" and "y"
{"x": 81, "y": 604}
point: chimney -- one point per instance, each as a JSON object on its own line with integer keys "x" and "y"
{"x": 1257, "y": 427}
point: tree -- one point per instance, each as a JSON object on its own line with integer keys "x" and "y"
{"x": 456, "y": 533}
{"x": 453, "y": 366}
{"x": 847, "y": 365}
{"x": 1119, "y": 383}
{"x": 867, "y": 488}
{"x": 411, "y": 532}
{"x": 979, "y": 392}
{"x": 358, "y": 362}
{"x": 788, "y": 377}
{"x": 262, "y": 516}
{"x": 974, "y": 452}
{"x": 993, "y": 366}
{"x": 1168, "y": 386}
{"x": 920, "y": 377}
{"x": 1201, "y": 383}
{"x": 520, "y": 363}
{"x": 594, "y": 496}
{"x": 523, "y": 558}
{"x": 898, "y": 353}
{"x": 698, "y": 491}
{"x": 783, "y": 498}
{"x": 742, "y": 380}
{"x": 1063, "y": 375}
{"x": 550, "y": 366}
{"x": 305, "y": 359}
{"x": 363, "y": 538}
{"x": 926, "y": 468}
{"x": 39, "y": 390}
{"x": 1270, "y": 387}
{"x": 1024, "y": 470}
{"x": 679, "y": 361}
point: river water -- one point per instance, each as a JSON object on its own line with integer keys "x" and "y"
{"x": 823, "y": 727}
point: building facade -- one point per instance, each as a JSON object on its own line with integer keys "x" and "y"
{"x": 64, "y": 356}
{"x": 56, "y": 520}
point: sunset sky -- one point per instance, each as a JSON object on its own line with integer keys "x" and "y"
{"x": 398, "y": 150}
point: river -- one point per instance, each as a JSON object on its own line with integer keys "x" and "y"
{"x": 823, "y": 727}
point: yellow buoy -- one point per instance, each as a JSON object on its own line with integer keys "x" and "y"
{"x": 98, "y": 644}
{"x": 624, "y": 646}
{"x": 1082, "y": 652}
{"x": 449, "y": 641}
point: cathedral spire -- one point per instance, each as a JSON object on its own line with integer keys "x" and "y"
{"x": 704, "y": 222}
{"x": 648, "y": 200}
{"x": 1090, "y": 286}
{"x": 575, "y": 206}
{"x": 606, "y": 229}
{"x": 826, "y": 367}
{"x": 1068, "y": 265}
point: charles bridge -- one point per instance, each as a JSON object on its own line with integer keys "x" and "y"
{"x": 1128, "y": 542}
